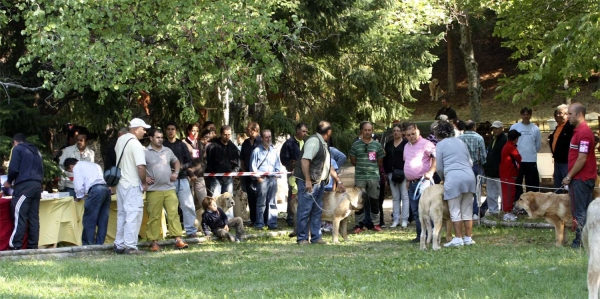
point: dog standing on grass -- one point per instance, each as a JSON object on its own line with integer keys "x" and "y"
{"x": 555, "y": 208}
{"x": 433, "y": 208}
{"x": 591, "y": 243}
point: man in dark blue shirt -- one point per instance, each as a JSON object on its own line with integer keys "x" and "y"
{"x": 253, "y": 132}
{"x": 25, "y": 172}
{"x": 290, "y": 153}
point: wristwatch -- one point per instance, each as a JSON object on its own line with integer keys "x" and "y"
{"x": 568, "y": 178}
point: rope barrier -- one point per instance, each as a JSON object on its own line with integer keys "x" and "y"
{"x": 257, "y": 173}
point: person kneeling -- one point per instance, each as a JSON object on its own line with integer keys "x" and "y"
{"x": 215, "y": 220}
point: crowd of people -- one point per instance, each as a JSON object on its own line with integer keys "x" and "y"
{"x": 170, "y": 173}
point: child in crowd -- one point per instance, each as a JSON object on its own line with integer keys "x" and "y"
{"x": 214, "y": 220}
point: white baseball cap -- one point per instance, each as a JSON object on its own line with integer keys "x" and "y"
{"x": 136, "y": 122}
{"x": 497, "y": 124}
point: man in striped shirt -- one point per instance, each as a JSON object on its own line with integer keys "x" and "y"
{"x": 476, "y": 147}
{"x": 367, "y": 155}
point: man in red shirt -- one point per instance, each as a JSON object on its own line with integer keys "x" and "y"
{"x": 582, "y": 168}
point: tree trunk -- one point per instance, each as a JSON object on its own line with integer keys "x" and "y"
{"x": 475, "y": 90}
{"x": 451, "y": 79}
{"x": 225, "y": 96}
{"x": 566, "y": 87}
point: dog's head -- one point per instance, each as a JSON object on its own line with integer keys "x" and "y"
{"x": 528, "y": 202}
{"x": 357, "y": 197}
{"x": 225, "y": 201}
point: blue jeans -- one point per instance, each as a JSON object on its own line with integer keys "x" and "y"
{"x": 219, "y": 185}
{"x": 186, "y": 203}
{"x": 266, "y": 202}
{"x": 581, "y": 193}
{"x": 560, "y": 172}
{"x": 95, "y": 214}
{"x": 414, "y": 204}
{"x": 309, "y": 211}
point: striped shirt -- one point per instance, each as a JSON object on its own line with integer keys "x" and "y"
{"x": 367, "y": 155}
{"x": 475, "y": 145}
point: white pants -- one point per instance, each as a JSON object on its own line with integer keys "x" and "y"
{"x": 494, "y": 190}
{"x": 461, "y": 207}
{"x": 130, "y": 206}
{"x": 399, "y": 195}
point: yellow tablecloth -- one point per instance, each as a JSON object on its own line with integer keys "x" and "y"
{"x": 60, "y": 221}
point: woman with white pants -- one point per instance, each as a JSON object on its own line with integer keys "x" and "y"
{"x": 393, "y": 162}
{"x": 454, "y": 166}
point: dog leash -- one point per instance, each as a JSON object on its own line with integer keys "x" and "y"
{"x": 338, "y": 204}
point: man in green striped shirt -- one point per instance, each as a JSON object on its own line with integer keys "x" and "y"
{"x": 367, "y": 155}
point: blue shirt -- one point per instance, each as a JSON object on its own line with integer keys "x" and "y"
{"x": 265, "y": 160}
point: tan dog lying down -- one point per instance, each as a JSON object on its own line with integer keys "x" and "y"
{"x": 433, "y": 208}
{"x": 224, "y": 201}
{"x": 337, "y": 206}
{"x": 555, "y": 208}
{"x": 591, "y": 243}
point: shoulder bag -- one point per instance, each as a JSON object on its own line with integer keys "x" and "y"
{"x": 113, "y": 175}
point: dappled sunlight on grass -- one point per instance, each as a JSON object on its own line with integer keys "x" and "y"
{"x": 505, "y": 263}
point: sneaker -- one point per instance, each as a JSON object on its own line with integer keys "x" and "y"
{"x": 475, "y": 217}
{"x": 456, "y": 242}
{"x": 509, "y": 217}
{"x": 377, "y": 228}
{"x": 468, "y": 242}
{"x": 134, "y": 251}
{"x": 394, "y": 224}
{"x": 416, "y": 240}
{"x": 303, "y": 242}
{"x": 327, "y": 228}
{"x": 383, "y": 225}
{"x": 118, "y": 250}
{"x": 576, "y": 244}
{"x": 194, "y": 235}
{"x": 357, "y": 230}
{"x": 404, "y": 224}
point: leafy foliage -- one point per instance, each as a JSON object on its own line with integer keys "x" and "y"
{"x": 554, "y": 40}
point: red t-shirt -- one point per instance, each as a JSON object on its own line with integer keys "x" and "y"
{"x": 510, "y": 159}
{"x": 583, "y": 142}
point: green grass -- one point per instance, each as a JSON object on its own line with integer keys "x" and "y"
{"x": 505, "y": 263}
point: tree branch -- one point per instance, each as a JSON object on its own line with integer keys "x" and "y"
{"x": 19, "y": 86}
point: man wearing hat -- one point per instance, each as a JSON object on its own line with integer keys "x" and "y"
{"x": 131, "y": 187}
{"x": 492, "y": 166}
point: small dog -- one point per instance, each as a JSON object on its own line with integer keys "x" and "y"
{"x": 555, "y": 208}
{"x": 433, "y": 207}
{"x": 591, "y": 243}
{"x": 337, "y": 206}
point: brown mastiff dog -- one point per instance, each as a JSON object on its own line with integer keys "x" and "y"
{"x": 555, "y": 208}
{"x": 433, "y": 208}
{"x": 337, "y": 206}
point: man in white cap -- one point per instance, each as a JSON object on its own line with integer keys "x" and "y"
{"x": 492, "y": 167}
{"x": 131, "y": 187}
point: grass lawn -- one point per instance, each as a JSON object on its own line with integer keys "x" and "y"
{"x": 505, "y": 263}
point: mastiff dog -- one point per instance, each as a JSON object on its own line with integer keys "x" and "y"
{"x": 591, "y": 243}
{"x": 337, "y": 206}
{"x": 433, "y": 208}
{"x": 555, "y": 208}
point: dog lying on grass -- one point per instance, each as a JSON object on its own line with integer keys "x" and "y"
{"x": 591, "y": 243}
{"x": 337, "y": 206}
{"x": 555, "y": 208}
{"x": 433, "y": 208}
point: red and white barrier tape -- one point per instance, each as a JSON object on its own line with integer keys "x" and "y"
{"x": 258, "y": 173}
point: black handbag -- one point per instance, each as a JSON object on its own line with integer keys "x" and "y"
{"x": 113, "y": 175}
{"x": 397, "y": 175}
